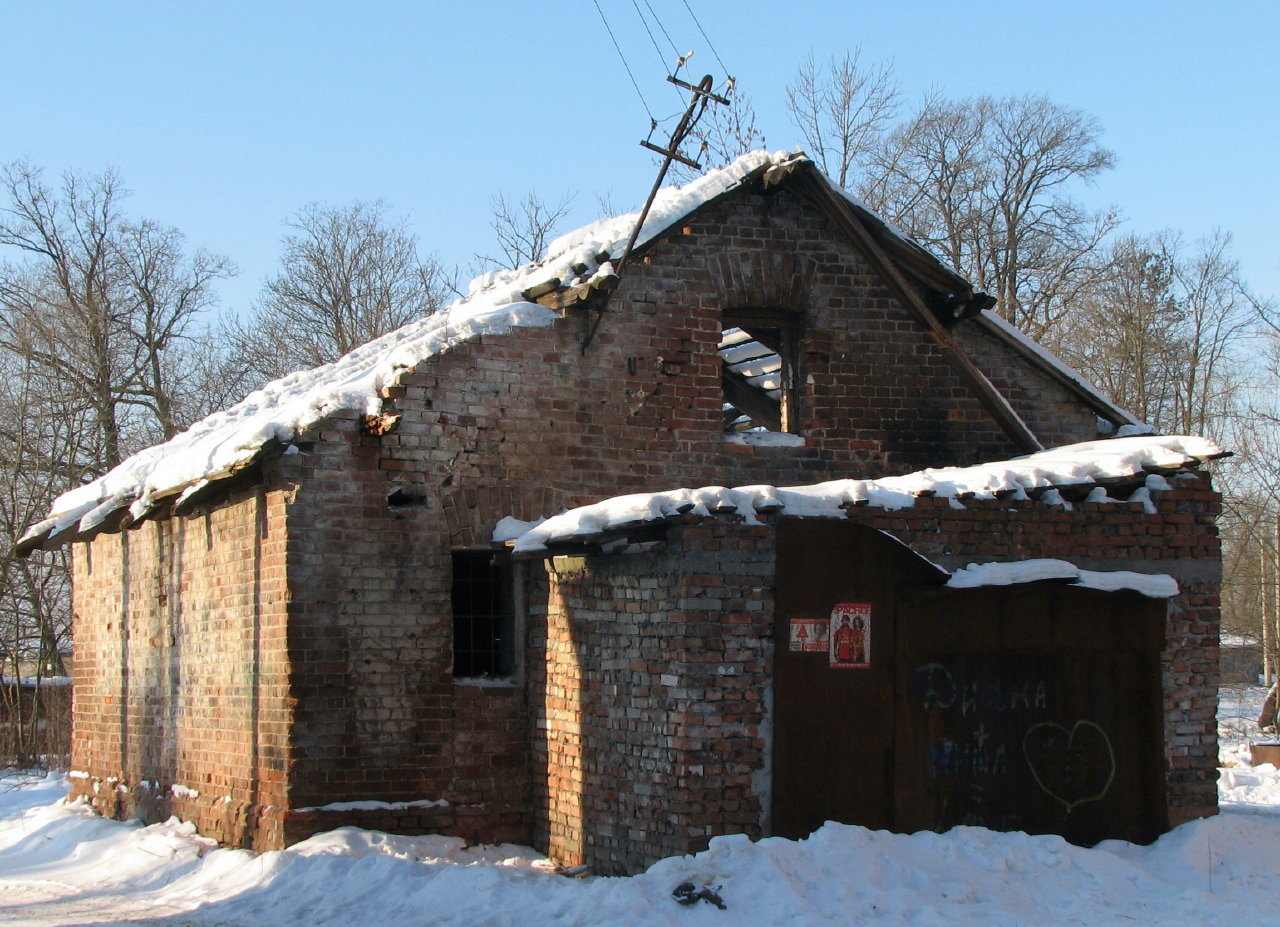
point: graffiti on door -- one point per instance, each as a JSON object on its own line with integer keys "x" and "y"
{"x": 1073, "y": 765}
{"x": 993, "y": 733}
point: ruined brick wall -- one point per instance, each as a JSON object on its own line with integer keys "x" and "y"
{"x": 1049, "y": 410}
{"x": 181, "y": 674}
{"x": 523, "y": 424}
{"x": 649, "y": 676}
{"x": 379, "y": 717}
{"x": 629, "y": 699}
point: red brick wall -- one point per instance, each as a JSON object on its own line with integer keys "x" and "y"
{"x": 521, "y": 424}
{"x": 649, "y": 672}
{"x": 1049, "y": 411}
{"x": 525, "y": 423}
{"x": 644, "y": 686}
{"x": 181, "y": 676}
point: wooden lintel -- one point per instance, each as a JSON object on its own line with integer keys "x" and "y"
{"x": 779, "y": 172}
{"x": 751, "y": 401}
{"x": 542, "y": 289}
{"x": 589, "y": 293}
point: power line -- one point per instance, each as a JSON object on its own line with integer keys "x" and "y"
{"x": 723, "y": 66}
{"x": 644, "y": 22}
{"x": 657, "y": 19}
{"x": 608, "y": 29}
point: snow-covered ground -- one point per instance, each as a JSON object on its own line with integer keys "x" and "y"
{"x": 62, "y": 865}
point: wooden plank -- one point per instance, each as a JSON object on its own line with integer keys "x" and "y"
{"x": 996, "y": 405}
{"x": 754, "y": 403}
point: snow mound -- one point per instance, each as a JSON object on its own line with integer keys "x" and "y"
{"x": 61, "y": 864}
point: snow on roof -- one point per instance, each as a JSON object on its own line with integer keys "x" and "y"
{"x": 1238, "y": 641}
{"x": 1152, "y": 585}
{"x": 1073, "y": 465}
{"x": 227, "y": 441}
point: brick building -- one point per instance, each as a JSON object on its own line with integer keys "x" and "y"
{"x": 296, "y": 615}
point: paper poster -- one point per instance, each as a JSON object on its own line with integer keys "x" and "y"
{"x": 850, "y": 635}
{"x": 808, "y": 635}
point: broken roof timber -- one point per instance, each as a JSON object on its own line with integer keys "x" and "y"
{"x": 997, "y": 406}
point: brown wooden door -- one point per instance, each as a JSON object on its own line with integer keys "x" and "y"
{"x": 1034, "y": 707}
{"x": 833, "y": 726}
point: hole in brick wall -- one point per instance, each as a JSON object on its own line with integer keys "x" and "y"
{"x": 403, "y": 497}
{"x": 759, "y": 375}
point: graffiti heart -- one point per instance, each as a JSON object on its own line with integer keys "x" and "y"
{"x": 1073, "y": 766}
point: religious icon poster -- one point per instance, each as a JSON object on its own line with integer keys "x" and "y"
{"x": 808, "y": 635}
{"x": 850, "y": 635}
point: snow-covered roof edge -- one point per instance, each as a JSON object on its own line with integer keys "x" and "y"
{"x": 1079, "y": 465}
{"x": 1010, "y": 573}
{"x": 228, "y": 441}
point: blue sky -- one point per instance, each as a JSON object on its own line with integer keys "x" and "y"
{"x": 224, "y": 118}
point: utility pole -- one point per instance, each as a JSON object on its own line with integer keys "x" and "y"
{"x": 699, "y": 97}
{"x": 1264, "y": 601}
{"x": 1271, "y": 625}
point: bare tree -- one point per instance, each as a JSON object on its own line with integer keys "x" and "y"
{"x": 523, "y": 229}
{"x": 723, "y": 134}
{"x": 165, "y": 291}
{"x": 94, "y": 312}
{"x": 985, "y": 184}
{"x": 842, "y": 111}
{"x": 1163, "y": 331}
{"x": 98, "y": 301}
{"x": 39, "y": 429}
{"x": 347, "y": 276}
{"x": 1124, "y": 333}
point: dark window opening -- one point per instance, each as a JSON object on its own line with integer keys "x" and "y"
{"x": 483, "y": 614}
{"x": 759, "y": 373}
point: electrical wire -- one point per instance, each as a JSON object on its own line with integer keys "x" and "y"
{"x": 644, "y": 22}
{"x": 657, "y": 19}
{"x": 618, "y": 48}
{"x": 704, "y": 35}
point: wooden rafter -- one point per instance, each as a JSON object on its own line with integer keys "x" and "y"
{"x": 996, "y": 405}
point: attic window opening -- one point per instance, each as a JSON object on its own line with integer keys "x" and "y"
{"x": 483, "y": 614}
{"x": 759, "y": 371}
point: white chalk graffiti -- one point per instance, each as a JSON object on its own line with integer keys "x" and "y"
{"x": 1073, "y": 766}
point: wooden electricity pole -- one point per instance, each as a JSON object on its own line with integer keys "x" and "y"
{"x": 1264, "y": 600}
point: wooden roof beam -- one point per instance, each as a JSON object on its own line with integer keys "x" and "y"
{"x": 995, "y": 404}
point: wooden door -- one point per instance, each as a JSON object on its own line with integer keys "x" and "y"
{"x": 1034, "y": 707}
{"x": 834, "y": 718}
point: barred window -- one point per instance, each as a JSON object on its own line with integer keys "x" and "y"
{"x": 483, "y": 614}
